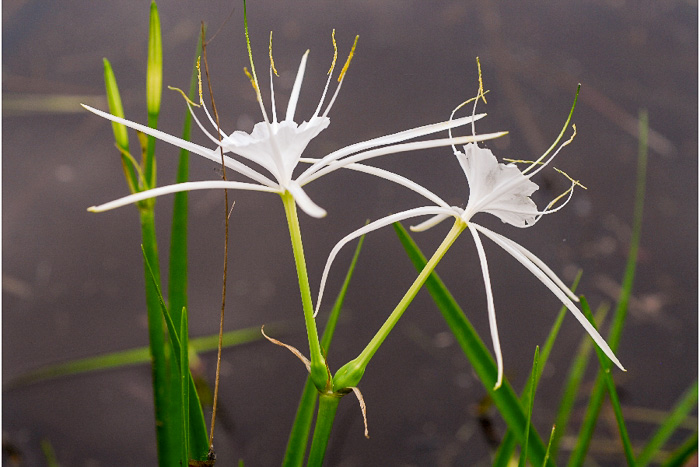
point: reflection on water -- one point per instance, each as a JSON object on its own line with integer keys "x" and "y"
{"x": 72, "y": 280}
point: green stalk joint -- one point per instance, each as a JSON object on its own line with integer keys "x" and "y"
{"x": 349, "y": 375}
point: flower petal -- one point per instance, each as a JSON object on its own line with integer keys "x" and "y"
{"x": 530, "y": 265}
{"x": 393, "y": 177}
{"x": 387, "y": 139}
{"x": 499, "y": 189}
{"x": 430, "y": 223}
{"x": 304, "y": 202}
{"x": 294, "y": 97}
{"x": 416, "y": 212}
{"x": 538, "y": 262}
{"x": 402, "y": 147}
{"x": 491, "y": 307}
{"x": 177, "y": 187}
{"x": 210, "y": 154}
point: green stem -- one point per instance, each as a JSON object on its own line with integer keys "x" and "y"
{"x": 164, "y": 430}
{"x": 327, "y": 406}
{"x": 351, "y": 373}
{"x": 319, "y": 371}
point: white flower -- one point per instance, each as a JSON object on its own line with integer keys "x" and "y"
{"x": 277, "y": 146}
{"x": 503, "y": 191}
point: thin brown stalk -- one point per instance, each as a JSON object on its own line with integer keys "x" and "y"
{"x": 226, "y": 218}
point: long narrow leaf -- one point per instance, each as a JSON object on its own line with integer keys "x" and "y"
{"x": 612, "y": 392}
{"x": 681, "y": 455}
{"x": 683, "y": 407}
{"x": 573, "y": 383}
{"x": 177, "y": 280}
{"x": 531, "y": 403}
{"x": 299, "y": 435}
{"x": 505, "y": 450}
{"x": 598, "y": 392}
{"x": 505, "y": 398}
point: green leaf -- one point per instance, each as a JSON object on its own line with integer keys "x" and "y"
{"x": 154, "y": 89}
{"x": 680, "y": 456}
{"x": 598, "y": 392}
{"x": 505, "y": 399}
{"x": 612, "y": 392}
{"x": 121, "y": 136}
{"x": 574, "y": 378}
{"x": 129, "y": 357}
{"x": 683, "y": 407}
{"x": 505, "y": 450}
{"x": 533, "y": 388}
{"x": 154, "y": 70}
{"x": 299, "y": 435}
{"x": 177, "y": 273}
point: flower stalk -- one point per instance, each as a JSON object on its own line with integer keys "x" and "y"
{"x": 350, "y": 374}
{"x": 319, "y": 371}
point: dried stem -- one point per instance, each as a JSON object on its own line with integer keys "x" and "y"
{"x": 226, "y": 218}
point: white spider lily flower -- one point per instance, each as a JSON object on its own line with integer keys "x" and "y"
{"x": 277, "y": 146}
{"x": 503, "y": 191}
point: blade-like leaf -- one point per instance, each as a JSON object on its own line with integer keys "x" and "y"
{"x": 612, "y": 392}
{"x": 177, "y": 282}
{"x": 680, "y": 456}
{"x": 299, "y": 435}
{"x": 598, "y": 392}
{"x": 505, "y": 450}
{"x": 533, "y": 388}
{"x": 683, "y": 407}
{"x": 505, "y": 399}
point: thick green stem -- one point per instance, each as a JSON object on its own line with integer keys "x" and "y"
{"x": 319, "y": 372}
{"x": 327, "y": 406}
{"x": 350, "y": 374}
{"x": 165, "y": 437}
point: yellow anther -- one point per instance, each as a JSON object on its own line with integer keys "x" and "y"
{"x": 272, "y": 61}
{"x": 469, "y": 100}
{"x": 347, "y": 62}
{"x": 575, "y": 182}
{"x": 521, "y": 161}
{"x": 183, "y": 95}
{"x": 335, "y": 52}
{"x": 253, "y": 83}
{"x": 199, "y": 79}
{"x": 481, "y": 94}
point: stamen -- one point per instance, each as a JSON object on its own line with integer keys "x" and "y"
{"x": 199, "y": 79}
{"x": 449, "y": 130}
{"x": 335, "y": 52}
{"x": 252, "y": 81}
{"x": 172, "y": 88}
{"x": 347, "y": 62}
{"x": 481, "y": 82}
{"x": 272, "y": 61}
{"x": 575, "y": 182}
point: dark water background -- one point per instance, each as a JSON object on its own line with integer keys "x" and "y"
{"x": 72, "y": 281}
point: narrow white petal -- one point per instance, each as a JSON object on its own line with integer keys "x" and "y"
{"x": 525, "y": 261}
{"x": 430, "y": 223}
{"x": 389, "y": 139}
{"x": 181, "y": 143}
{"x": 402, "y": 147}
{"x": 396, "y": 178}
{"x": 416, "y": 212}
{"x": 304, "y": 202}
{"x": 186, "y": 186}
{"x": 491, "y": 307}
{"x": 294, "y": 97}
{"x": 213, "y": 155}
{"x": 538, "y": 262}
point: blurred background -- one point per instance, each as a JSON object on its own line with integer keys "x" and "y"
{"x": 72, "y": 281}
